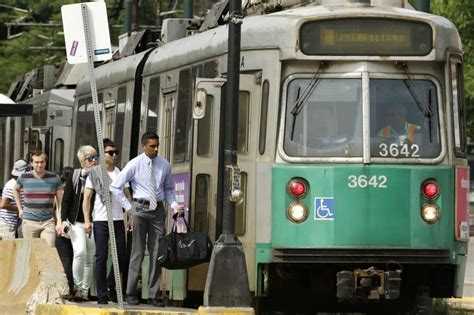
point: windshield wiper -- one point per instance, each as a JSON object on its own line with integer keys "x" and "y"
{"x": 414, "y": 90}
{"x": 298, "y": 93}
{"x": 430, "y": 100}
{"x": 302, "y": 98}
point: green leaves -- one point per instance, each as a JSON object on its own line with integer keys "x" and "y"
{"x": 461, "y": 13}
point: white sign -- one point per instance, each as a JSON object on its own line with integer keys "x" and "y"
{"x": 74, "y": 32}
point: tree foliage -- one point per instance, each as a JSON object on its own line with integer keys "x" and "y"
{"x": 461, "y": 13}
{"x": 29, "y": 47}
{"x": 21, "y": 54}
{"x": 32, "y": 47}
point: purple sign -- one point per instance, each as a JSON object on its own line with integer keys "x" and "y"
{"x": 181, "y": 188}
{"x": 181, "y": 191}
{"x": 73, "y": 50}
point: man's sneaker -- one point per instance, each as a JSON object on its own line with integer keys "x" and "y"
{"x": 132, "y": 300}
{"x": 155, "y": 302}
{"x": 113, "y": 295}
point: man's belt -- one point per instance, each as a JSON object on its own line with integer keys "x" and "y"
{"x": 145, "y": 204}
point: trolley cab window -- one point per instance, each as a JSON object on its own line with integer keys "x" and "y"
{"x": 404, "y": 119}
{"x": 324, "y": 119}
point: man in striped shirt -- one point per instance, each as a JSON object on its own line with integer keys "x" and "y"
{"x": 8, "y": 208}
{"x": 41, "y": 189}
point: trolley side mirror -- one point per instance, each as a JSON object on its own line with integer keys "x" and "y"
{"x": 199, "y": 108}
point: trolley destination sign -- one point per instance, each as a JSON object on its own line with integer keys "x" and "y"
{"x": 366, "y": 36}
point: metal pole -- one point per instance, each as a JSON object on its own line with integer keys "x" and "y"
{"x": 188, "y": 9}
{"x": 128, "y": 16}
{"x": 100, "y": 145}
{"x": 232, "y": 110}
{"x": 135, "y": 16}
{"x": 227, "y": 280}
{"x": 422, "y": 5}
{"x": 158, "y": 13}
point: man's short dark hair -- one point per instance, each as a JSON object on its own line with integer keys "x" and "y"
{"x": 149, "y": 135}
{"x": 108, "y": 143}
{"x": 38, "y": 153}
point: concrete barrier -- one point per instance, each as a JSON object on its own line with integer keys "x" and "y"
{"x": 30, "y": 274}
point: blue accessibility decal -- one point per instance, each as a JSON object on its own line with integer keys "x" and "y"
{"x": 324, "y": 208}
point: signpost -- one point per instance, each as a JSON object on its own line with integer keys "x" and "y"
{"x": 76, "y": 29}
{"x": 86, "y": 33}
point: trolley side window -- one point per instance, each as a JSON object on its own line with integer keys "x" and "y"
{"x": 85, "y": 130}
{"x": 204, "y": 130}
{"x": 39, "y": 118}
{"x": 183, "y": 117}
{"x": 13, "y": 136}
{"x": 324, "y": 118}
{"x": 202, "y": 203}
{"x": 120, "y": 120}
{"x": 243, "y": 127}
{"x": 35, "y": 141}
{"x": 457, "y": 104}
{"x": 153, "y": 105}
{"x": 58, "y": 157}
{"x": 404, "y": 119}
{"x": 263, "y": 117}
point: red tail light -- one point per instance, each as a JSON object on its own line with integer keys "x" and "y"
{"x": 430, "y": 189}
{"x": 297, "y": 188}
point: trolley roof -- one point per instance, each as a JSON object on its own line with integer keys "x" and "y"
{"x": 281, "y": 31}
{"x": 53, "y": 97}
{"x": 112, "y": 73}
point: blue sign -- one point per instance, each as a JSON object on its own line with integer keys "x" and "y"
{"x": 324, "y": 208}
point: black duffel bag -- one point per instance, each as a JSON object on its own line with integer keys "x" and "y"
{"x": 184, "y": 250}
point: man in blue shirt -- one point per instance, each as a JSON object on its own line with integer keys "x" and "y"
{"x": 43, "y": 192}
{"x": 150, "y": 178}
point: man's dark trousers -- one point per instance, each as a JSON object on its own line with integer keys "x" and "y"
{"x": 101, "y": 237}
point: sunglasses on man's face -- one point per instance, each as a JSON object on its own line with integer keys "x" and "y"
{"x": 93, "y": 158}
{"x": 113, "y": 152}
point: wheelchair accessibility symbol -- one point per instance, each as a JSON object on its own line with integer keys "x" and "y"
{"x": 324, "y": 208}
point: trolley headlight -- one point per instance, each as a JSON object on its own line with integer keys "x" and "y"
{"x": 297, "y": 212}
{"x": 430, "y": 213}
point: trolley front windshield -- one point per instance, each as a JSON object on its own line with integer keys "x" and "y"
{"x": 324, "y": 118}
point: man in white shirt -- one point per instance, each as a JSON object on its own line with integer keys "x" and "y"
{"x": 150, "y": 178}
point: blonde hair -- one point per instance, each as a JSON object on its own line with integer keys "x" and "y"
{"x": 85, "y": 151}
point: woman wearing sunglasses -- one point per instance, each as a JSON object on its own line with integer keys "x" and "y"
{"x": 73, "y": 223}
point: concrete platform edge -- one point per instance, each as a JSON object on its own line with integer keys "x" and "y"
{"x": 226, "y": 310}
{"x": 73, "y": 309}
